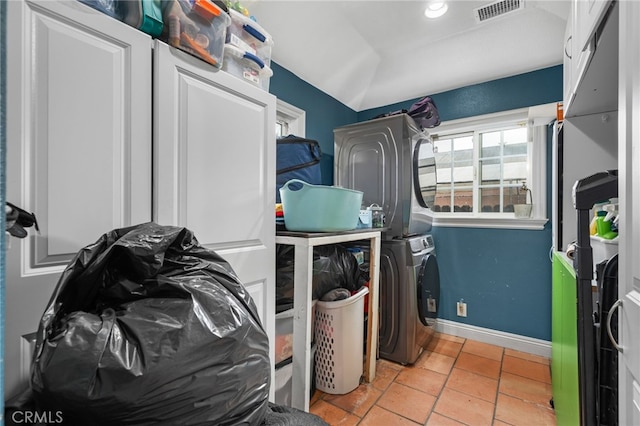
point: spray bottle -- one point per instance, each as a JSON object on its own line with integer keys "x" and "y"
{"x": 611, "y": 218}
{"x": 598, "y": 207}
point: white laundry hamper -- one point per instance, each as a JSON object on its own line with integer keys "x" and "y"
{"x": 339, "y": 338}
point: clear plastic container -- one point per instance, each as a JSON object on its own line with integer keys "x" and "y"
{"x": 246, "y": 66}
{"x": 377, "y": 216}
{"x": 108, "y": 7}
{"x": 247, "y": 35}
{"x": 284, "y": 333}
{"x": 198, "y": 27}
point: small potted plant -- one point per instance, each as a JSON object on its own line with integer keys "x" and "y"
{"x": 524, "y": 210}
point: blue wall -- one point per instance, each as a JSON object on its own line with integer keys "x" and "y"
{"x": 504, "y": 276}
{"x": 324, "y": 113}
{"x": 524, "y": 90}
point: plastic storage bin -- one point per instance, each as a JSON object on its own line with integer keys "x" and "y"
{"x": 199, "y": 29}
{"x": 247, "y": 35}
{"x": 603, "y": 249}
{"x": 339, "y": 340}
{"x": 246, "y": 66}
{"x": 284, "y": 333}
{"x": 284, "y": 380}
{"x": 319, "y": 208}
{"x": 108, "y": 7}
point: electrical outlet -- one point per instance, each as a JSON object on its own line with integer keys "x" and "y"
{"x": 431, "y": 305}
{"x": 461, "y": 309}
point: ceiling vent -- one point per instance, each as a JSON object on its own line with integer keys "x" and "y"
{"x": 497, "y": 8}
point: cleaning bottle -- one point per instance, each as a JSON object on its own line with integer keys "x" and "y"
{"x": 593, "y": 229}
{"x": 610, "y": 220}
{"x": 602, "y": 226}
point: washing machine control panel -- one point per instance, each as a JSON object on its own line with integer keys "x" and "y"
{"x": 422, "y": 243}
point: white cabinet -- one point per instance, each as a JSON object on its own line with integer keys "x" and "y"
{"x": 576, "y": 58}
{"x": 629, "y": 195}
{"x": 567, "y": 66}
{"x": 78, "y": 149}
{"x": 214, "y": 167}
{"x": 581, "y": 44}
{"x": 589, "y": 14}
{"x": 96, "y": 140}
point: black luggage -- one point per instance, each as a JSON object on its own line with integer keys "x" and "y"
{"x": 297, "y": 158}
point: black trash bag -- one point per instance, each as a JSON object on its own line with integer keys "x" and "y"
{"x": 278, "y": 415}
{"x": 148, "y": 327}
{"x": 333, "y": 267}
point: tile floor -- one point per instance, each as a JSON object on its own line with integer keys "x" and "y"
{"x": 455, "y": 381}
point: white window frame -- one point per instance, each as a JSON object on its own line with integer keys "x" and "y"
{"x": 536, "y": 118}
{"x": 293, "y": 116}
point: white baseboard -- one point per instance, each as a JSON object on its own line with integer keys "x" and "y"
{"x": 495, "y": 337}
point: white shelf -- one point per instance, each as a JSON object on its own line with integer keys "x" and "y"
{"x": 302, "y": 283}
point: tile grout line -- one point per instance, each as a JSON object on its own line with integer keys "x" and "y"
{"x": 433, "y": 409}
{"x": 495, "y": 404}
{"x": 441, "y": 391}
{"x": 374, "y": 402}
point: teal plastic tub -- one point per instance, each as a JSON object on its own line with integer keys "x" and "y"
{"x": 319, "y": 208}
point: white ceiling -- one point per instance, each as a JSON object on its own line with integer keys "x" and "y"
{"x": 371, "y": 53}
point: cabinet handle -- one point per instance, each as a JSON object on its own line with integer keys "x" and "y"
{"x": 615, "y": 306}
{"x": 565, "y": 47}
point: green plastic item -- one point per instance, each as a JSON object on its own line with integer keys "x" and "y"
{"x": 319, "y": 208}
{"x": 603, "y": 227}
{"x": 564, "y": 342}
{"x": 146, "y": 15}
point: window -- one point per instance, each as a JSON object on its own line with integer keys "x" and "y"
{"x": 486, "y": 166}
{"x": 290, "y": 120}
{"x": 282, "y": 128}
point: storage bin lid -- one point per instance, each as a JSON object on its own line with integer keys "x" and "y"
{"x": 251, "y": 27}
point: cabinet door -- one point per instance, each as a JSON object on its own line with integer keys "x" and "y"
{"x": 629, "y": 196}
{"x": 214, "y": 167}
{"x": 589, "y": 14}
{"x": 567, "y": 67}
{"x": 78, "y": 148}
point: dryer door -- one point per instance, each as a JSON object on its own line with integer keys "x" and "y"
{"x": 423, "y": 185}
{"x": 428, "y": 288}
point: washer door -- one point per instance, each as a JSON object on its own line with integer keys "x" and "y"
{"x": 389, "y": 301}
{"x": 428, "y": 288}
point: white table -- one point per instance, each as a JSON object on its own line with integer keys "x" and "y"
{"x": 302, "y": 283}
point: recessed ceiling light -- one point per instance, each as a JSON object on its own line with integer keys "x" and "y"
{"x": 436, "y": 9}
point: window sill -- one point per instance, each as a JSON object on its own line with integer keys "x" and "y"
{"x": 490, "y": 222}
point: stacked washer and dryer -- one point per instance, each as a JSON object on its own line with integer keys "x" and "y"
{"x": 392, "y": 162}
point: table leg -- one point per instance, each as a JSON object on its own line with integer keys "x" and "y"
{"x": 302, "y": 285}
{"x": 372, "y": 329}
